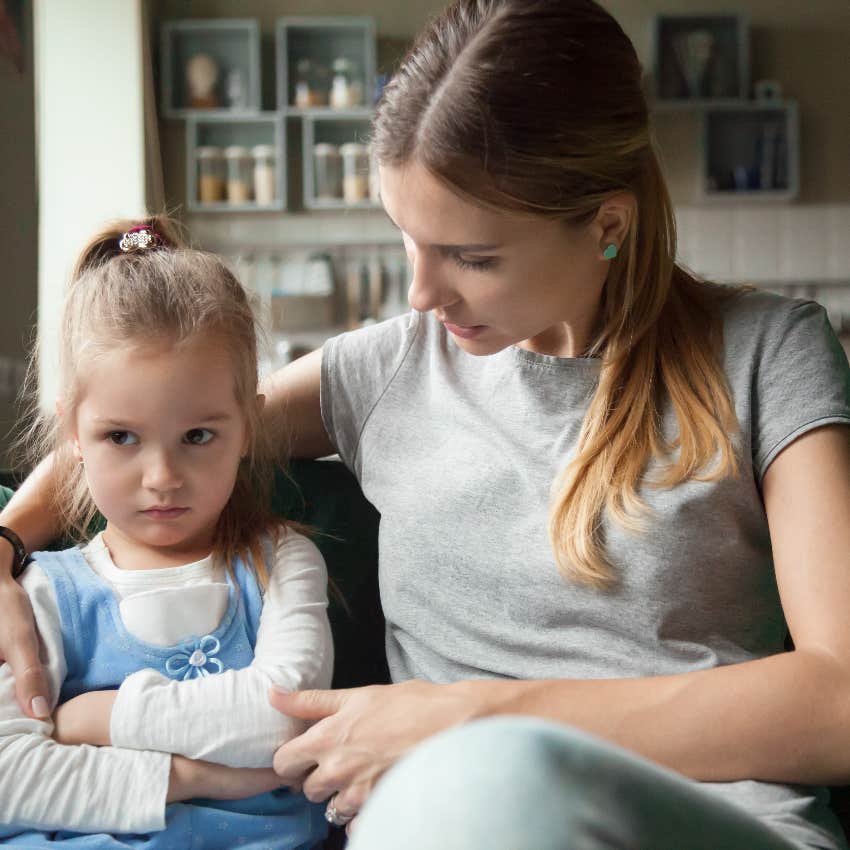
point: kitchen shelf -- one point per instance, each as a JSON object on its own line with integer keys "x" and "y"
{"x": 751, "y": 151}
{"x": 322, "y": 40}
{"x": 336, "y": 130}
{"x": 265, "y": 128}
{"x": 233, "y": 43}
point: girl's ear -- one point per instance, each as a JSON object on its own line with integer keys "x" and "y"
{"x": 261, "y": 401}
{"x": 72, "y": 436}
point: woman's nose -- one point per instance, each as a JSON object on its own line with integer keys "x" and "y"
{"x": 429, "y": 288}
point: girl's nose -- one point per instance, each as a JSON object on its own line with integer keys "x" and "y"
{"x": 162, "y": 473}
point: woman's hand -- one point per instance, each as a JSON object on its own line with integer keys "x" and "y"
{"x": 190, "y": 779}
{"x": 85, "y": 719}
{"x": 19, "y": 641}
{"x": 360, "y": 733}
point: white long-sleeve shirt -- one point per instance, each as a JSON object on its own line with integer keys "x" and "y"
{"x": 228, "y": 719}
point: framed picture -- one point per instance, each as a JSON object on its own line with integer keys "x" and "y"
{"x": 701, "y": 57}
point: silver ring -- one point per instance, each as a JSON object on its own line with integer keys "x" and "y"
{"x": 334, "y": 817}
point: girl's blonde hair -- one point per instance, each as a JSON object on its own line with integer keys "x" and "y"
{"x": 171, "y": 295}
{"x": 535, "y": 107}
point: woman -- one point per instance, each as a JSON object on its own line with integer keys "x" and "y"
{"x": 604, "y": 485}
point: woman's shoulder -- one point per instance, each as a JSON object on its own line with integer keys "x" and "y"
{"x": 385, "y": 337}
{"x": 758, "y": 323}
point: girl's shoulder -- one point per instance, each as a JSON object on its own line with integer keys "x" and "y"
{"x": 294, "y": 552}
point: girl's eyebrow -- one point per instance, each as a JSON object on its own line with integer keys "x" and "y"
{"x": 119, "y": 425}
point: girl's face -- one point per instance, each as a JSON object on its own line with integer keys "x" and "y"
{"x": 499, "y": 279}
{"x": 161, "y": 434}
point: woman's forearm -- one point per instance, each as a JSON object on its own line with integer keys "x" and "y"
{"x": 30, "y": 513}
{"x": 777, "y": 719}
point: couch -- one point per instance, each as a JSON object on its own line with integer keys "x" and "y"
{"x": 325, "y": 497}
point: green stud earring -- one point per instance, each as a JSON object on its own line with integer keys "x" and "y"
{"x": 610, "y": 252}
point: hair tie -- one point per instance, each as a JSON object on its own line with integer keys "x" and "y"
{"x": 140, "y": 238}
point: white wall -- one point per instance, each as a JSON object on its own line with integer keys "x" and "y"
{"x": 90, "y": 139}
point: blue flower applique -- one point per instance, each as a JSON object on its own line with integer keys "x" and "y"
{"x": 196, "y": 661}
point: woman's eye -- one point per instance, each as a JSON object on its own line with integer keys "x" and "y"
{"x": 198, "y": 436}
{"x": 475, "y": 265}
{"x": 122, "y": 438}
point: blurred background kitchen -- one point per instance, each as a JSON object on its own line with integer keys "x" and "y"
{"x": 249, "y": 120}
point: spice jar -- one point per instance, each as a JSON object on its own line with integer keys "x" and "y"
{"x": 355, "y": 167}
{"x": 240, "y": 167}
{"x": 210, "y": 171}
{"x": 264, "y": 173}
{"x": 346, "y": 87}
{"x": 310, "y": 84}
{"x": 327, "y": 164}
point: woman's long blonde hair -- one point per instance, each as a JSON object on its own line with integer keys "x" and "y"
{"x": 171, "y": 295}
{"x": 535, "y": 107}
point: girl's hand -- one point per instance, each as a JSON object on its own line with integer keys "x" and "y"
{"x": 85, "y": 719}
{"x": 190, "y": 779}
{"x": 19, "y": 641}
{"x": 360, "y": 733}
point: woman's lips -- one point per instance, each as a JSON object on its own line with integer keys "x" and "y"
{"x": 165, "y": 513}
{"x": 465, "y": 332}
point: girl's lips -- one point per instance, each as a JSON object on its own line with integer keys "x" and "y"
{"x": 165, "y": 513}
{"x": 465, "y": 332}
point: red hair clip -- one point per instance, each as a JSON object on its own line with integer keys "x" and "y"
{"x": 139, "y": 238}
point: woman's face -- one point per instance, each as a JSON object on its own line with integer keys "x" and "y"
{"x": 498, "y": 279}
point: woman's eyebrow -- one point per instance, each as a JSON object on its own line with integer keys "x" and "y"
{"x": 468, "y": 248}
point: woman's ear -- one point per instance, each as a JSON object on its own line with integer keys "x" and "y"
{"x": 613, "y": 220}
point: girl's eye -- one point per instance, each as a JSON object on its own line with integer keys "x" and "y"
{"x": 122, "y": 438}
{"x": 475, "y": 265}
{"x": 198, "y": 436}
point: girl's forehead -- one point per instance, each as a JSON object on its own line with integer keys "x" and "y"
{"x": 154, "y": 374}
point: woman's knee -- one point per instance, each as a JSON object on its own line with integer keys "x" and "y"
{"x": 505, "y": 782}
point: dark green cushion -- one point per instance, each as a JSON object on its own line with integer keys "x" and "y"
{"x": 325, "y": 496}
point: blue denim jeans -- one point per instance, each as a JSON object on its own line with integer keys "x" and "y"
{"x": 516, "y": 783}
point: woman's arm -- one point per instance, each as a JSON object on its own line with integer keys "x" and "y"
{"x": 29, "y": 515}
{"x": 226, "y": 718}
{"x": 778, "y": 719}
{"x": 292, "y": 411}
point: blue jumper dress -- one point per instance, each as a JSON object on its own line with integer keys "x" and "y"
{"x": 100, "y": 652}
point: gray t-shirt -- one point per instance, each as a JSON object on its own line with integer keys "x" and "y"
{"x": 458, "y": 454}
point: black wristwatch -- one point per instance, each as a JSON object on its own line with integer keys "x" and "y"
{"x": 19, "y": 560}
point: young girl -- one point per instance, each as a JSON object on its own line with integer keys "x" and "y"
{"x": 158, "y": 430}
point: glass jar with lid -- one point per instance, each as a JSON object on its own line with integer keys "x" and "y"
{"x": 355, "y": 168}
{"x": 211, "y": 174}
{"x": 310, "y": 84}
{"x": 265, "y": 158}
{"x": 346, "y": 84}
{"x": 327, "y": 165}
{"x": 240, "y": 174}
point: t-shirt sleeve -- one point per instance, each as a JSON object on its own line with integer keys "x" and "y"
{"x": 801, "y": 380}
{"x": 357, "y": 368}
